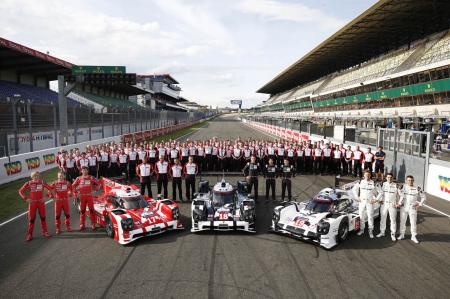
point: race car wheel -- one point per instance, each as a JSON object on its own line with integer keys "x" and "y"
{"x": 109, "y": 228}
{"x": 342, "y": 231}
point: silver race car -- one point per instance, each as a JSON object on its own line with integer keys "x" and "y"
{"x": 223, "y": 208}
{"x": 326, "y": 219}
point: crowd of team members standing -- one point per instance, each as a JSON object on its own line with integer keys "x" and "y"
{"x": 172, "y": 160}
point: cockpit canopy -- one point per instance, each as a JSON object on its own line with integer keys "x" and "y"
{"x": 219, "y": 199}
{"x": 129, "y": 203}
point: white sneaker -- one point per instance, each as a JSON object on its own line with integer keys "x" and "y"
{"x": 414, "y": 239}
{"x": 371, "y": 234}
{"x": 393, "y": 238}
{"x": 401, "y": 237}
{"x": 360, "y": 233}
{"x": 380, "y": 235}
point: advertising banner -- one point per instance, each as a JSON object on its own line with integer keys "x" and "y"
{"x": 438, "y": 181}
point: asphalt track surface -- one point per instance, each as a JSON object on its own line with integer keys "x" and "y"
{"x": 226, "y": 265}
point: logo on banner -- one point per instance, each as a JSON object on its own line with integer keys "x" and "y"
{"x": 444, "y": 184}
{"x": 13, "y": 167}
{"x": 33, "y": 163}
{"x": 49, "y": 159}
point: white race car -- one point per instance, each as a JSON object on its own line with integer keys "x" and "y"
{"x": 223, "y": 208}
{"x": 326, "y": 219}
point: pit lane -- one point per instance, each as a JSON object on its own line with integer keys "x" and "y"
{"x": 226, "y": 264}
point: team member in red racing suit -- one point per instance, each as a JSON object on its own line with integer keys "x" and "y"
{"x": 85, "y": 184}
{"x": 62, "y": 189}
{"x": 35, "y": 199}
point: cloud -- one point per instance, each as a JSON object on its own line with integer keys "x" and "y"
{"x": 295, "y": 12}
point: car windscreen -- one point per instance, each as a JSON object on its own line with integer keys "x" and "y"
{"x": 318, "y": 206}
{"x": 222, "y": 198}
{"x": 132, "y": 203}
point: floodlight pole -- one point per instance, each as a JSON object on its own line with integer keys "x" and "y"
{"x": 63, "y": 91}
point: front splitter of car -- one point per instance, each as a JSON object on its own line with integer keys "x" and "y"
{"x": 131, "y": 236}
{"x": 223, "y": 226}
{"x": 322, "y": 241}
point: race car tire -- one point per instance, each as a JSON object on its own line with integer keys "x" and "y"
{"x": 342, "y": 231}
{"x": 109, "y": 228}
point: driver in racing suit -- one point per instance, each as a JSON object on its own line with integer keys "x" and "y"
{"x": 388, "y": 199}
{"x": 62, "y": 189}
{"x": 35, "y": 200}
{"x": 85, "y": 184}
{"x": 411, "y": 198}
{"x": 365, "y": 192}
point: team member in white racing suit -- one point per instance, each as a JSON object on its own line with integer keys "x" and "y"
{"x": 411, "y": 198}
{"x": 366, "y": 192}
{"x": 388, "y": 199}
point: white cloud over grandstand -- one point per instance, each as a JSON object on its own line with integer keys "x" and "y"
{"x": 218, "y": 50}
{"x": 286, "y": 11}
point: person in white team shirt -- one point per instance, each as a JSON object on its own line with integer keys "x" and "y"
{"x": 411, "y": 198}
{"x": 190, "y": 170}
{"x": 176, "y": 172}
{"x": 162, "y": 179}
{"x": 366, "y": 192}
{"x": 388, "y": 199}
{"x": 144, "y": 172}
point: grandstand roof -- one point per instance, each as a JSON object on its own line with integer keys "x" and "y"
{"x": 385, "y": 26}
{"x": 22, "y": 59}
{"x": 167, "y": 77}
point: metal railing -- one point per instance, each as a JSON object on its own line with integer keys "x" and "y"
{"x": 20, "y": 121}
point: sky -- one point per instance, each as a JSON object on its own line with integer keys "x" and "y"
{"x": 219, "y": 50}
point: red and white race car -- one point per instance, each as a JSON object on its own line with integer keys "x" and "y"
{"x": 127, "y": 215}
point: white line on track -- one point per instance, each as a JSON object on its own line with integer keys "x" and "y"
{"x": 20, "y": 215}
{"x": 47, "y": 202}
{"x": 436, "y": 210}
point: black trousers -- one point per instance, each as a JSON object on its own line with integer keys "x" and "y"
{"x": 357, "y": 169}
{"x": 124, "y": 170}
{"x": 214, "y": 163}
{"x": 200, "y": 163}
{"x": 368, "y": 166}
{"x": 103, "y": 170}
{"x": 161, "y": 183}
{"x": 208, "y": 163}
{"x": 347, "y": 167}
{"x": 190, "y": 186}
{"x": 176, "y": 184}
{"x": 253, "y": 182}
{"x": 270, "y": 184}
{"x": 337, "y": 166}
{"x": 308, "y": 165}
{"x": 71, "y": 174}
{"x": 146, "y": 182}
{"x": 132, "y": 169}
{"x": 317, "y": 166}
{"x": 113, "y": 170}
{"x": 326, "y": 165}
{"x": 286, "y": 184}
{"x": 93, "y": 171}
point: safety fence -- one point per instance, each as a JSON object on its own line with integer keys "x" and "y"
{"x": 27, "y": 127}
{"x": 20, "y": 166}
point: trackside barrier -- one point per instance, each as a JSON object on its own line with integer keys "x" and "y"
{"x": 20, "y": 166}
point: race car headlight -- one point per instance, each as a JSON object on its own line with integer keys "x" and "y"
{"x": 175, "y": 213}
{"x": 127, "y": 224}
{"x": 197, "y": 214}
{"x": 323, "y": 227}
{"x": 276, "y": 215}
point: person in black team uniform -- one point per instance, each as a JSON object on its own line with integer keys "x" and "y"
{"x": 251, "y": 171}
{"x": 379, "y": 164}
{"x": 287, "y": 172}
{"x": 270, "y": 173}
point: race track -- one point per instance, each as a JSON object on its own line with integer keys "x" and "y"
{"x": 226, "y": 265}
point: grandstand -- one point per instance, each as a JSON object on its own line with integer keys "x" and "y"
{"x": 163, "y": 92}
{"x": 386, "y": 67}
